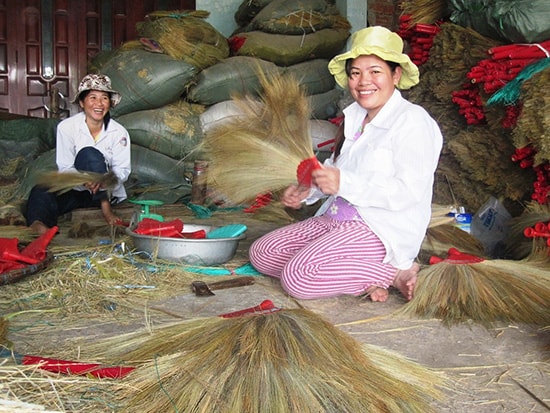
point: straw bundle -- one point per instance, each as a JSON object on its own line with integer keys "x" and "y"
{"x": 186, "y": 35}
{"x": 440, "y": 238}
{"x": 61, "y": 182}
{"x": 424, "y": 11}
{"x": 3, "y": 331}
{"x": 517, "y": 245}
{"x": 533, "y": 123}
{"x": 463, "y": 288}
{"x": 260, "y": 150}
{"x": 285, "y": 361}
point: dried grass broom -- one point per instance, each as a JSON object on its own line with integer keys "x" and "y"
{"x": 263, "y": 148}
{"x": 283, "y": 362}
{"x": 61, "y": 182}
{"x": 464, "y": 287}
{"x": 517, "y": 245}
{"x": 439, "y": 238}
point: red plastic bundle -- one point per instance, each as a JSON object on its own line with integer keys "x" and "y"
{"x": 541, "y": 187}
{"x": 491, "y": 74}
{"x": 469, "y": 104}
{"x": 420, "y": 38}
{"x": 539, "y": 230}
{"x": 512, "y": 113}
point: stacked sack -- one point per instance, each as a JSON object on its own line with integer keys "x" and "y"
{"x": 278, "y": 36}
{"x": 179, "y": 77}
{"x": 153, "y": 72}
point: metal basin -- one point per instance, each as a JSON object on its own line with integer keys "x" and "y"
{"x": 202, "y": 252}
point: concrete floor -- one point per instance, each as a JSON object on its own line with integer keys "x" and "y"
{"x": 501, "y": 369}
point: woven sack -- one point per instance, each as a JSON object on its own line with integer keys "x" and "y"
{"x": 234, "y": 75}
{"x": 173, "y": 130}
{"x": 146, "y": 80}
{"x": 286, "y": 50}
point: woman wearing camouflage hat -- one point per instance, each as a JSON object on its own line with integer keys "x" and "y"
{"x": 89, "y": 141}
{"x": 378, "y": 184}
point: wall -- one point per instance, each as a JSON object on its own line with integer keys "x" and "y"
{"x": 222, "y": 14}
{"x": 384, "y": 13}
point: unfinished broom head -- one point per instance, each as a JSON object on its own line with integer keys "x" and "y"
{"x": 439, "y": 238}
{"x": 464, "y": 287}
{"x": 285, "y": 361}
{"x": 260, "y": 150}
{"x": 64, "y": 181}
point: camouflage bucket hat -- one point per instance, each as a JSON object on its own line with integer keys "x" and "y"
{"x": 98, "y": 82}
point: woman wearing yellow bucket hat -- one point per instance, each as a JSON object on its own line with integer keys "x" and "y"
{"x": 379, "y": 184}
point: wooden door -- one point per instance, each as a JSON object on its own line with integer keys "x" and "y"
{"x": 45, "y": 46}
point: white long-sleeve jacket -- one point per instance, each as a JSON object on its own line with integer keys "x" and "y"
{"x": 114, "y": 143}
{"x": 388, "y": 174}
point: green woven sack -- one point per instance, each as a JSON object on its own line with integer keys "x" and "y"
{"x": 173, "y": 130}
{"x": 286, "y": 50}
{"x": 313, "y": 75}
{"x": 234, "y": 75}
{"x": 146, "y": 80}
{"x": 296, "y": 17}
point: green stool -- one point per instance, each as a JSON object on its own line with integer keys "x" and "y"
{"x": 145, "y": 204}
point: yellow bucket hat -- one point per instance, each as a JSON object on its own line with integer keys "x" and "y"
{"x": 379, "y": 41}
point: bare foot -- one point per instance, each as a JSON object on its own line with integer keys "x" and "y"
{"x": 405, "y": 281}
{"x": 377, "y": 293}
{"x": 39, "y": 227}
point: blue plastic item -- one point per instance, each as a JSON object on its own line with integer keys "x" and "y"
{"x": 227, "y": 231}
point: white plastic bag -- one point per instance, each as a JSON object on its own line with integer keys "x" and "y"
{"x": 490, "y": 225}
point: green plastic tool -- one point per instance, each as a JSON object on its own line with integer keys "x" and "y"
{"x": 145, "y": 212}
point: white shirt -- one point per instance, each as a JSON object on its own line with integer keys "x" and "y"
{"x": 388, "y": 174}
{"x": 114, "y": 143}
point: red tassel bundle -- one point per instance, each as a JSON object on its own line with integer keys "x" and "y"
{"x": 539, "y": 230}
{"x": 420, "y": 38}
{"x": 541, "y": 187}
{"x": 491, "y": 74}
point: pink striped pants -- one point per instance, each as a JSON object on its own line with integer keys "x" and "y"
{"x": 323, "y": 257}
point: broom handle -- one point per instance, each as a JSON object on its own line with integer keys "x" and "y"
{"x": 265, "y": 306}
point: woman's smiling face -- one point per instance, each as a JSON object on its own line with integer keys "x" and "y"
{"x": 372, "y": 82}
{"x": 96, "y": 104}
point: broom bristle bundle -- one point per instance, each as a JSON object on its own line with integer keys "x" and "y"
{"x": 260, "y": 150}
{"x": 64, "y": 181}
{"x": 484, "y": 292}
{"x": 287, "y": 361}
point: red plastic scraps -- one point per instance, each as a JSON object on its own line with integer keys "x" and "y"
{"x": 11, "y": 258}
{"x": 170, "y": 229}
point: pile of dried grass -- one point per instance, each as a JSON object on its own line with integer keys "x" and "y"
{"x": 29, "y": 389}
{"x": 424, "y": 11}
{"x": 286, "y": 361}
{"x": 534, "y": 120}
{"x": 186, "y": 35}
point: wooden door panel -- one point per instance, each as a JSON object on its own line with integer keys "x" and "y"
{"x": 45, "y": 47}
